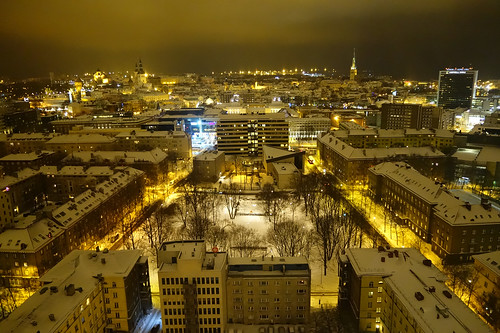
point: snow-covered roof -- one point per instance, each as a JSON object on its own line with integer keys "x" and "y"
{"x": 409, "y": 178}
{"x": 349, "y": 152}
{"x": 490, "y": 260}
{"x": 21, "y": 175}
{"x": 25, "y": 157}
{"x": 153, "y": 156}
{"x": 81, "y": 138}
{"x": 30, "y": 238}
{"x": 208, "y": 155}
{"x": 285, "y": 168}
{"x": 404, "y": 271}
{"x": 79, "y": 268}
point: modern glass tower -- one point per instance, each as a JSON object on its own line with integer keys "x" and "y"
{"x": 457, "y": 88}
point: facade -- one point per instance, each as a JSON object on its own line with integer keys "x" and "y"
{"x": 33, "y": 160}
{"x": 209, "y": 165}
{"x": 34, "y": 242}
{"x": 192, "y": 288}
{"x": 350, "y": 165}
{"x": 307, "y": 129}
{"x": 87, "y": 291}
{"x": 176, "y": 142}
{"x": 385, "y": 138}
{"x": 25, "y": 142}
{"x": 68, "y": 143}
{"x": 64, "y": 126}
{"x": 155, "y": 163}
{"x": 457, "y": 88}
{"x": 245, "y": 134}
{"x": 399, "y": 290}
{"x": 203, "y": 292}
{"x": 456, "y": 229}
{"x": 267, "y": 291}
{"x": 487, "y": 291}
{"x": 400, "y": 116}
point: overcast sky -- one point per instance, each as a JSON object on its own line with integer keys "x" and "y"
{"x": 405, "y": 38}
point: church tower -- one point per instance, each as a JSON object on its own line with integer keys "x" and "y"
{"x": 353, "y": 72}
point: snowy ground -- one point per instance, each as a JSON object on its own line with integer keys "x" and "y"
{"x": 323, "y": 288}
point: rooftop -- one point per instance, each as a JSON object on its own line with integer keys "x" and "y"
{"x": 405, "y": 272}
{"x": 79, "y": 268}
{"x": 490, "y": 260}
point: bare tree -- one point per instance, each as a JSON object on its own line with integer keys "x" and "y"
{"x": 326, "y": 320}
{"x": 158, "y": 228}
{"x": 327, "y": 217}
{"x": 244, "y": 241}
{"x": 274, "y": 203}
{"x": 232, "y": 196}
{"x": 218, "y": 236}
{"x": 289, "y": 238}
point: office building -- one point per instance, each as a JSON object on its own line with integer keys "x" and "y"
{"x": 457, "y": 88}
{"x": 87, "y": 291}
{"x": 399, "y": 290}
{"x": 245, "y": 134}
{"x": 401, "y": 116}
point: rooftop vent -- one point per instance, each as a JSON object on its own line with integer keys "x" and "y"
{"x": 69, "y": 290}
{"x": 103, "y": 260}
{"x": 52, "y": 317}
{"x": 53, "y": 290}
{"x": 427, "y": 262}
{"x": 419, "y": 296}
{"x": 447, "y": 293}
{"x": 382, "y": 259}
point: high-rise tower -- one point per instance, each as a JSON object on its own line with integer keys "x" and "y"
{"x": 354, "y": 72}
{"x": 457, "y": 88}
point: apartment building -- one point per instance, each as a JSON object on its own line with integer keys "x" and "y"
{"x": 245, "y": 134}
{"x": 173, "y": 142}
{"x": 87, "y": 291}
{"x": 208, "y": 292}
{"x": 394, "y": 138}
{"x": 34, "y": 243}
{"x": 209, "y": 165}
{"x": 192, "y": 288}
{"x": 268, "y": 290}
{"x": 399, "y": 290}
{"x": 456, "y": 229}
{"x": 487, "y": 288}
{"x": 68, "y": 143}
{"x": 350, "y": 165}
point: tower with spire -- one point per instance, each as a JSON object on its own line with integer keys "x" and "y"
{"x": 353, "y": 72}
{"x": 140, "y": 76}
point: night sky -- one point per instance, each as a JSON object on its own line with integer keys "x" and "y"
{"x": 406, "y": 38}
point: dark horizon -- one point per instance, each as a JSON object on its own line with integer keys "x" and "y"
{"x": 411, "y": 39}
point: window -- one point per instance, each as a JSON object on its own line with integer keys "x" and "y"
{"x": 370, "y": 294}
{"x": 379, "y": 299}
{"x": 370, "y": 284}
{"x": 370, "y": 304}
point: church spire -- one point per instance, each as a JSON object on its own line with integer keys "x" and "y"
{"x": 353, "y": 66}
{"x": 353, "y": 72}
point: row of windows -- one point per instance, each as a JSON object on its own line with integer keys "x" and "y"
{"x": 202, "y": 330}
{"x": 199, "y": 280}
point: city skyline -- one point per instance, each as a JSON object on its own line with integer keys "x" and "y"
{"x": 410, "y": 40}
